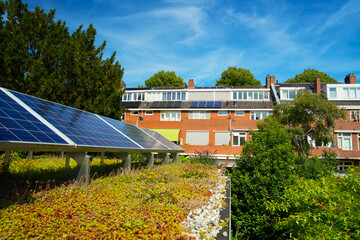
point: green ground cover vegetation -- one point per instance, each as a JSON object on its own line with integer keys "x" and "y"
{"x": 145, "y": 203}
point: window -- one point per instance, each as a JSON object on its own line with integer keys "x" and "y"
{"x": 266, "y": 95}
{"x": 332, "y": 92}
{"x": 257, "y": 115}
{"x": 222, "y": 113}
{"x": 197, "y": 137}
{"x": 123, "y": 117}
{"x": 222, "y": 138}
{"x": 134, "y": 112}
{"x": 239, "y": 113}
{"x": 149, "y": 112}
{"x": 346, "y": 93}
{"x": 199, "y": 115}
{"x": 344, "y": 165}
{"x": 354, "y": 115}
{"x": 238, "y": 139}
{"x": 344, "y": 141}
{"x": 183, "y": 96}
{"x": 234, "y": 95}
{"x": 256, "y": 95}
{"x": 170, "y": 116}
{"x": 289, "y": 93}
{"x": 240, "y": 95}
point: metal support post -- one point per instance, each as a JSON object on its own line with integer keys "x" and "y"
{"x": 30, "y": 155}
{"x": 102, "y": 158}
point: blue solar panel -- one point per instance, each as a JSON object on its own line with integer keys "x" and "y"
{"x": 210, "y": 104}
{"x": 17, "y": 124}
{"x": 194, "y": 104}
{"x": 218, "y": 104}
{"x": 87, "y": 129}
{"x": 83, "y": 128}
{"x": 202, "y": 104}
{"x": 135, "y": 134}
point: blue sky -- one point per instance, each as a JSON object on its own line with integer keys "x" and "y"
{"x": 199, "y": 39}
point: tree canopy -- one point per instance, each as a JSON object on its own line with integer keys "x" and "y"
{"x": 309, "y": 76}
{"x": 165, "y": 79}
{"x": 234, "y": 76}
{"x": 38, "y": 56}
{"x": 309, "y": 117}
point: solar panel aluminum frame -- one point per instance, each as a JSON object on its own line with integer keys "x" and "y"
{"x": 9, "y": 145}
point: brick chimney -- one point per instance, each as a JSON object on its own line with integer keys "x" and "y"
{"x": 317, "y": 85}
{"x": 191, "y": 83}
{"x": 350, "y": 78}
{"x": 270, "y": 80}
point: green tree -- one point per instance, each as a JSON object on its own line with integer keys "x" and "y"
{"x": 234, "y": 76}
{"x": 39, "y": 56}
{"x": 262, "y": 173}
{"x": 309, "y": 117}
{"x": 309, "y": 76}
{"x": 165, "y": 79}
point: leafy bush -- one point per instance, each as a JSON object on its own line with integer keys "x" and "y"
{"x": 263, "y": 171}
{"x": 314, "y": 167}
{"x": 324, "y": 208}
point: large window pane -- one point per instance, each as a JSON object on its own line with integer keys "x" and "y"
{"x": 352, "y": 92}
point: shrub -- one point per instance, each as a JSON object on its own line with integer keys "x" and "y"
{"x": 314, "y": 167}
{"x": 263, "y": 171}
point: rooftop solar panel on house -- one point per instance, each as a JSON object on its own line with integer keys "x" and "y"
{"x": 202, "y": 104}
{"x": 209, "y": 104}
{"x": 177, "y": 104}
{"x": 218, "y": 104}
{"x": 194, "y": 104}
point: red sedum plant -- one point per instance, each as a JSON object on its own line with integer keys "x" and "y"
{"x": 144, "y": 204}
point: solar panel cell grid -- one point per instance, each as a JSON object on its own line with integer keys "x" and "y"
{"x": 81, "y": 127}
{"x": 17, "y": 124}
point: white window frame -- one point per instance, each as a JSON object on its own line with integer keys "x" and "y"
{"x": 205, "y": 140}
{"x": 134, "y": 113}
{"x": 261, "y": 117}
{"x": 288, "y": 92}
{"x": 341, "y": 138}
{"x": 250, "y": 95}
{"x": 199, "y": 115}
{"x": 238, "y": 135}
{"x": 123, "y": 116}
{"x": 332, "y": 88}
{"x": 222, "y": 113}
{"x": 239, "y": 113}
{"x": 149, "y": 112}
{"x": 173, "y": 116}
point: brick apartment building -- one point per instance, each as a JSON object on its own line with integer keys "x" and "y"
{"x": 218, "y": 119}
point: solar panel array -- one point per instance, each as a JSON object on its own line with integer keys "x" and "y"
{"x": 206, "y": 104}
{"x": 166, "y": 104}
{"x": 217, "y": 87}
{"x": 26, "y": 119}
